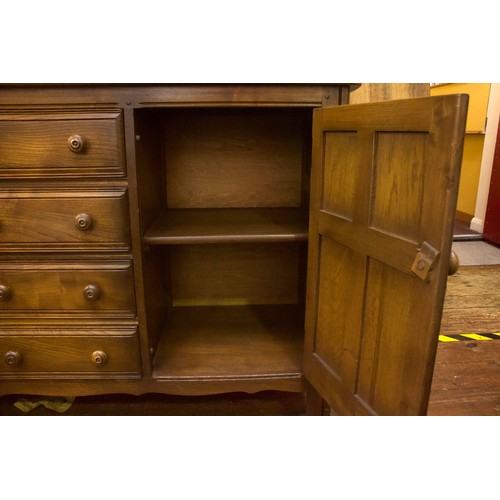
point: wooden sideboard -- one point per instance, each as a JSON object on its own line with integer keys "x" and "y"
{"x": 199, "y": 239}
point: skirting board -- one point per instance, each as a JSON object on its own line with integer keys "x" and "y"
{"x": 477, "y": 225}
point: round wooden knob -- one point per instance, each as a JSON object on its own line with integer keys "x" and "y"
{"x": 76, "y": 143}
{"x": 5, "y": 293}
{"x": 12, "y": 358}
{"x": 83, "y": 222}
{"x": 99, "y": 358}
{"x": 454, "y": 263}
{"x": 91, "y": 292}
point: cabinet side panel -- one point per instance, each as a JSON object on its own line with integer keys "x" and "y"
{"x": 148, "y": 160}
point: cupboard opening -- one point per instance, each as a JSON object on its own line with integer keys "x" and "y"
{"x": 224, "y": 196}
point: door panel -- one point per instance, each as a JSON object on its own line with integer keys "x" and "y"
{"x": 385, "y": 182}
{"x": 399, "y": 173}
{"x": 389, "y": 375}
{"x": 340, "y": 173}
{"x": 339, "y": 309}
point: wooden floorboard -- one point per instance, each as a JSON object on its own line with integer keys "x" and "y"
{"x": 467, "y": 373}
{"x": 466, "y": 379}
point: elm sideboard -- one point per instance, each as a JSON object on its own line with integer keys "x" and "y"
{"x": 201, "y": 239}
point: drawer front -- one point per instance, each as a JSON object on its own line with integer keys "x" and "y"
{"x": 79, "y": 288}
{"x": 112, "y": 352}
{"x": 46, "y": 219}
{"x": 61, "y": 144}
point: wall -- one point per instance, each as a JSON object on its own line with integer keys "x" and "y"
{"x": 478, "y": 102}
{"x": 474, "y": 141}
{"x": 490, "y": 140}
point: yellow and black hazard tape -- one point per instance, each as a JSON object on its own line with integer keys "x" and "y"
{"x": 469, "y": 336}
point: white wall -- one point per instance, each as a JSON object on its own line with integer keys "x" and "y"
{"x": 493, "y": 115}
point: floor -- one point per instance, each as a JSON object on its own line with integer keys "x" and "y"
{"x": 466, "y": 379}
{"x": 476, "y": 253}
{"x": 463, "y": 232}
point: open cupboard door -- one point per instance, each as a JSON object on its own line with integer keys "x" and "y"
{"x": 384, "y": 190}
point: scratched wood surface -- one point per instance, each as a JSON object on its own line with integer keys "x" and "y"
{"x": 466, "y": 379}
{"x": 467, "y": 373}
{"x": 472, "y": 303}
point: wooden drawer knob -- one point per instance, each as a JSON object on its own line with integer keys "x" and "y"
{"x": 91, "y": 292}
{"x": 83, "y": 222}
{"x": 12, "y": 358}
{"x": 76, "y": 143}
{"x": 99, "y": 358}
{"x": 5, "y": 293}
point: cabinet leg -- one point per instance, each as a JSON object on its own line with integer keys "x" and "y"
{"x": 315, "y": 404}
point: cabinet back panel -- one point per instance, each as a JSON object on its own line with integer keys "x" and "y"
{"x": 218, "y": 158}
{"x": 234, "y": 274}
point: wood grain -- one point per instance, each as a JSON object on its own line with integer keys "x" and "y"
{"x": 399, "y": 173}
{"x": 340, "y": 286}
{"x": 63, "y": 355}
{"x": 258, "y": 155}
{"x": 339, "y": 187}
{"x": 192, "y": 226}
{"x": 45, "y": 219}
{"x": 472, "y": 303}
{"x": 138, "y": 95}
{"x": 233, "y": 274}
{"x": 57, "y": 288}
{"x": 374, "y": 92}
{"x": 466, "y": 379}
{"x": 219, "y": 342}
{"x": 36, "y": 145}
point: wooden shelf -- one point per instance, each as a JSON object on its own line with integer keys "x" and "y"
{"x": 231, "y": 342}
{"x": 228, "y": 225}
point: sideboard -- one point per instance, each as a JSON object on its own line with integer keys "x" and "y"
{"x": 202, "y": 239}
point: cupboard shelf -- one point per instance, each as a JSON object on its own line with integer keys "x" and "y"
{"x": 231, "y": 342}
{"x": 228, "y": 225}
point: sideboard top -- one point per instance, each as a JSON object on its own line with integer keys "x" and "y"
{"x": 150, "y": 95}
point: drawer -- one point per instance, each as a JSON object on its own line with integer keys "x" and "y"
{"x": 66, "y": 219}
{"x": 61, "y": 144}
{"x": 67, "y": 288}
{"x": 113, "y": 351}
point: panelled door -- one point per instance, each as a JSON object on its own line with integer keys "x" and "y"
{"x": 384, "y": 190}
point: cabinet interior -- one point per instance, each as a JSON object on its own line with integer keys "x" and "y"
{"x": 223, "y": 197}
